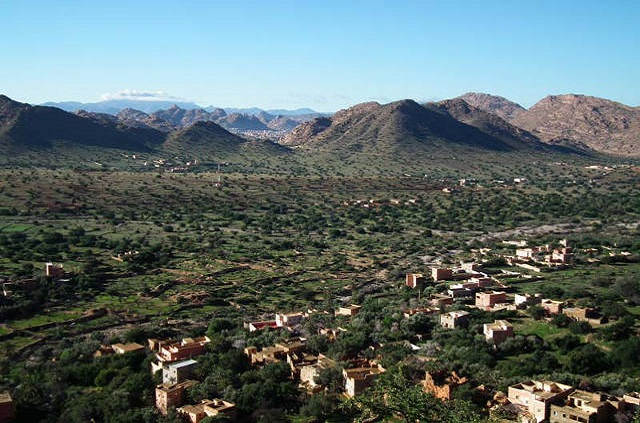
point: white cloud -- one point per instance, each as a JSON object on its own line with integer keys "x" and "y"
{"x": 140, "y": 95}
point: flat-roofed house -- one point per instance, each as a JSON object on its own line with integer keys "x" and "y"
{"x": 263, "y": 324}
{"x": 525, "y": 253}
{"x": 170, "y": 396}
{"x": 298, "y": 360}
{"x": 459, "y": 291}
{"x": 551, "y": 306}
{"x": 526, "y": 300}
{"x": 407, "y": 313}
{"x": 275, "y": 353}
{"x": 454, "y": 319}
{"x": 414, "y": 280}
{"x": 187, "y": 348}
{"x": 537, "y": 396}
{"x": 7, "y": 408}
{"x": 52, "y": 270}
{"x": 440, "y": 300}
{"x": 178, "y": 371}
{"x": 155, "y": 344}
{"x": 289, "y": 319}
{"x": 309, "y": 373}
{"x": 207, "y": 408}
{"x": 487, "y": 300}
{"x": 583, "y": 314}
{"x": 127, "y": 348}
{"x": 561, "y": 255}
{"x": 470, "y": 266}
{"x": 332, "y": 333}
{"x": 585, "y": 407}
{"x": 441, "y": 273}
{"x": 350, "y": 310}
{"x": 498, "y": 331}
{"x": 358, "y": 379}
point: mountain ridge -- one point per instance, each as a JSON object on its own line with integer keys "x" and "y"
{"x": 604, "y": 125}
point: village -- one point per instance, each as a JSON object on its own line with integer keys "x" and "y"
{"x": 460, "y": 290}
{"x": 230, "y": 315}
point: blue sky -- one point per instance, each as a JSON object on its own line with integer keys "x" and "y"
{"x": 320, "y": 54}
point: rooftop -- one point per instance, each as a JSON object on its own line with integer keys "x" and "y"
{"x": 183, "y": 363}
{"x": 133, "y": 346}
{"x": 542, "y": 389}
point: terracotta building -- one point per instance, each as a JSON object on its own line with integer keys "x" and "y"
{"x": 187, "y": 348}
{"x": 171, "y": 396}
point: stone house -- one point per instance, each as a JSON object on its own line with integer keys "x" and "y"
{"x": 454, "y": 319}
{"x": 459, "y": 291}
{"x": 309, "y": 373}
{"x": 298, "y": 360}
{"x": 632, "y": 399}
{"x": 358, "y": 379}
{"x": 407, "y": 313}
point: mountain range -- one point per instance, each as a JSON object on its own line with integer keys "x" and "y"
{"x": 114, "y": 106}
{"x": 470, "y": 125}
{"x": 52, "y": 133}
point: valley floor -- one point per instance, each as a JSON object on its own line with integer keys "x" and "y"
{"x": 180, "y": 255}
